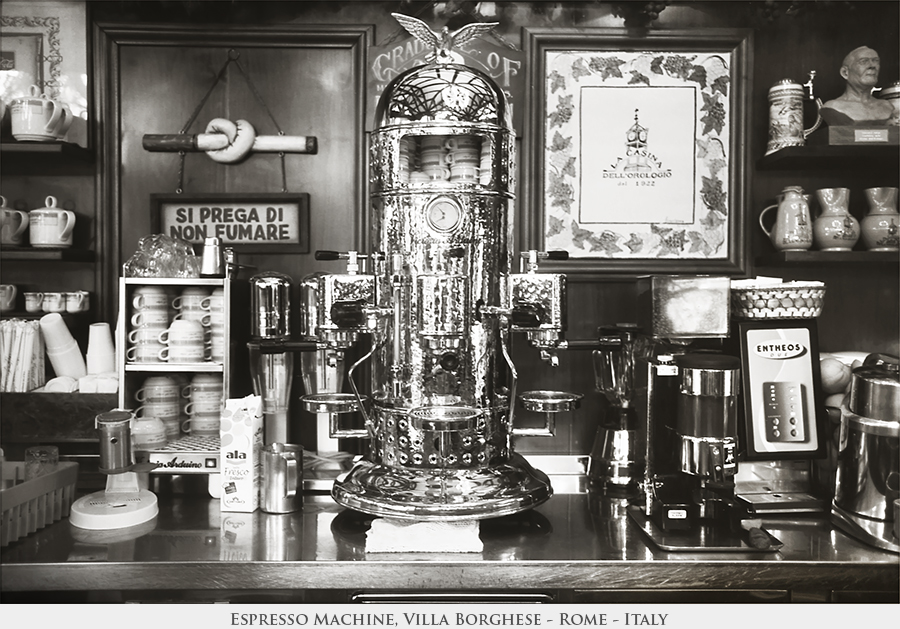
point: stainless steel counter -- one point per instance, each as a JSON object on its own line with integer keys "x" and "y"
{"x": 575, "y": 547}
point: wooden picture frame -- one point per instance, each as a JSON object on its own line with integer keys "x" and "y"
{"x": 248, "y": 222}
{"x": 636, "y": 152}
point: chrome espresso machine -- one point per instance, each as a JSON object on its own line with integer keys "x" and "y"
{"x": 431, "y": 309}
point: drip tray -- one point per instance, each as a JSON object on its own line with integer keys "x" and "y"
{"x": 703, "y": 538}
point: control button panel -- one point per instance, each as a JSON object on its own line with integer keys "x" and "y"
{"x": 785, "y": 411}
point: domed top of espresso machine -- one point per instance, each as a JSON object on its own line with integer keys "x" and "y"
{"x": 443, "y": 93}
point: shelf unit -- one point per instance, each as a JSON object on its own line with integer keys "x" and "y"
{"x": 829, "y": 257}
{"x": 21, "y": 158}
{"x": 39, "y": 254}
{"x": 131, "y": 374}
{"x": 826, "y": 157}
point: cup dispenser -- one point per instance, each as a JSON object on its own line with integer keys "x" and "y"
{"x": 432, "y": 309}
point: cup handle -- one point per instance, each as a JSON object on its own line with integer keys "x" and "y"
{"x": 163, "y": 337}
{"x": 23, "y": 224}
{"x": 136, "y": 319}
{"x": 761, "y": 214}
{"x": 186, "y": 425}
{"x": 186, "y": 392}
{"x": 65, "y": 122}
{"x": 69, "y": 225}
{"x": 53, "y": 123}
{"x": 164, "y": 354}
{"x": 130, "y": 352}
{"x": 176, "y": 303}
{"x": 140, "y": 396}
{"x": 292, "y": 478}
{"x": 206, "y": 303}
{"x": 188, "y": 408}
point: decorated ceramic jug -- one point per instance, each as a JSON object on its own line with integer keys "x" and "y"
{"x": 792, "y": 230}
{"x": 786, "y": 123}
{"x": 835, "y": 229}
{"x": 881, "y": 226}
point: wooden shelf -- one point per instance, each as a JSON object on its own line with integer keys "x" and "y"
{"x": 829, "y": 257}
{"x": 826, "y": 157}
{"x": 65, "y": 150}
{"x": 31, "y": 253}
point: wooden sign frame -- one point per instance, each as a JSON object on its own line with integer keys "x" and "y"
{"x": 252, "y": 222}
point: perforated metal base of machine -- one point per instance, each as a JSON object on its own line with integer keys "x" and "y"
{"x": 425, "y": 494}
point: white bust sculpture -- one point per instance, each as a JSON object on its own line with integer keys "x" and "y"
{"x": 857, "y": 105}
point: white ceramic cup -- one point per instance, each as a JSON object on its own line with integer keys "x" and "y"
{"x": 54, "y": 302}
{"x": 207, "y": 407}
{"x": 51, "y": 226}
{"x": 206, "y": 387}
{"x": 191, "y": 297}
{"x": 194, "y": 314}
{"x": 203, "y": 425}
{"x": 34, "y": 302}
{"x": 159, "y": 409}
{"x": 462, "y": 142}
{"x": 13, "y": 224}
{"x": 149, "y": 297}
{"x": 38, "y": 118}
{"x": 75, "y": 301}
{"x": 146, "y": 335}
{"x": 150, "y": 318}
{"x": 144, "y": 353}
{"x": 214, "y": 302}
{"x": 185, "y": 342}
{"x": 160, "y": 389}
{"x": 464, "y": 173}
{"x": 8, "y": 297}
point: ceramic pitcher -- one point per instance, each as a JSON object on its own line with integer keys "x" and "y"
{"x": 792, "y": 230}
{"x": 881, "y": 226}
{"x": 835, "y": 229}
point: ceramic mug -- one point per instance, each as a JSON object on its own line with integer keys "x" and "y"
{"x": 150, "y": 318}
{"x": 54, "y": 302}
{"x": 7, "y": 297}
{"x": 147, "y": 334}
{"x": 160, "y": 410}
{"x": 149, "y": 297}
{"x": 146, "y": 353}
{"x": 465, "y": 173}
{"x": 215, "y": 301}
{"x": 206, "y": 388}
{"x": 76, "y": 301}
{"x": 13, "y": 224}
{"x": 203, "y": 425}
{"x": 34, "y": 302}
{"x": 51, "y": 226}
{"x": 38, "y": 118}
{"x": 194, "y": 314}
{"x": 160, "y": 389}
{"x": 191, "y": 297}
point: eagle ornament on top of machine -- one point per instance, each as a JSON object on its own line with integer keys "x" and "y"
{"x": 438, "y": 299}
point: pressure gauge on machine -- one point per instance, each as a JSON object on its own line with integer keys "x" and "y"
{"x": 443, "y": 214}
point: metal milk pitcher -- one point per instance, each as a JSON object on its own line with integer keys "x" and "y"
{"x": 786, "y": 114}
{"x": 792, "y": 230}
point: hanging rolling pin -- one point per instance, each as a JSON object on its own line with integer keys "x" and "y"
{"x": 230, "y": 142}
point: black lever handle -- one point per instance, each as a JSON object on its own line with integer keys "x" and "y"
{"x": 326, "y": 254}
{"x": 557, "y": 255}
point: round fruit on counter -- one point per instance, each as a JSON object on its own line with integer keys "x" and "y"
{"x": 835, "y": 375}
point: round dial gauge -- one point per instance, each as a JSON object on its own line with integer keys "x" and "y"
{"x": 443, "y": 214}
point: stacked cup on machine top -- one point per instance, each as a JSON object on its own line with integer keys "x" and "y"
{"x": 206, "y": 393}
{"x": 215, "y": 305}
{"x": 149, "y": 318}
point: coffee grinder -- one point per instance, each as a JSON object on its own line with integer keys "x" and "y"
{"x": 617, "y": 457}
{"x": 271, "y": 351}
{"x": 686, "y": 393}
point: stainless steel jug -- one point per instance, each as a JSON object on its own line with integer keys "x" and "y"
{"x": 868, "y": 474}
